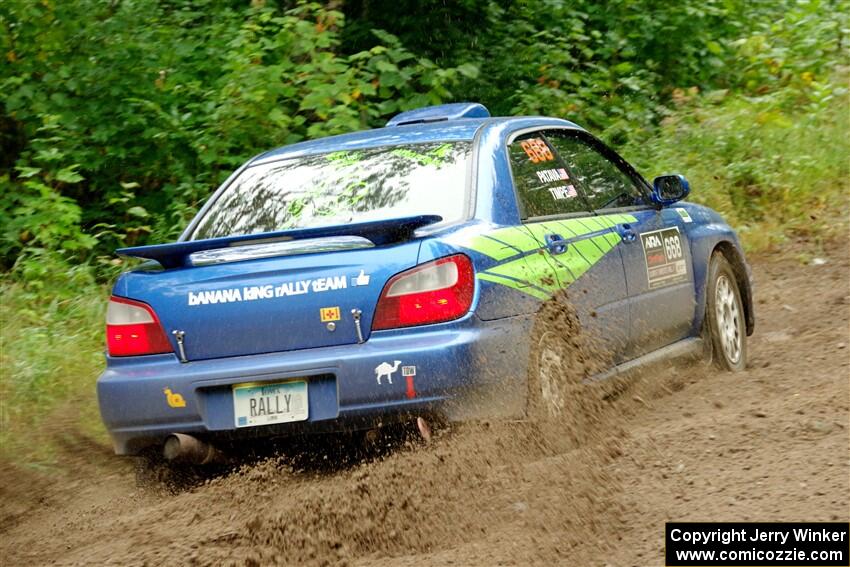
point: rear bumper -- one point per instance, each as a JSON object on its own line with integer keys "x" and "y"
{"x": 454, "y": 363}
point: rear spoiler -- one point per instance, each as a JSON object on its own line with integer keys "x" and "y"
{"x": 176, "y": 255}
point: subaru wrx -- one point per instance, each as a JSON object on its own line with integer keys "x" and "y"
{"x": 377, "y": 276}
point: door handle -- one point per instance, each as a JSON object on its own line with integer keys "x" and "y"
{"x": 626, "y": 233}
{"x": 556, "y": 244}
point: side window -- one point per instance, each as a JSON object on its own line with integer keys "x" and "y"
{"x": 605, "y": 185}
{"x": 542, "y": 182}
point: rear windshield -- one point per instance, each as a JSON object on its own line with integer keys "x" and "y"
{"x": 342, "y": 187}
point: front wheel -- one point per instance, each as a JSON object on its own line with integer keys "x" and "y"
{"x": 725, "y": 316}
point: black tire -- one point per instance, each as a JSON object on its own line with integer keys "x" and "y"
{"x": 725, "y": 317}
{"x": 561, "y": 357}
{"x": 551, "y": 388}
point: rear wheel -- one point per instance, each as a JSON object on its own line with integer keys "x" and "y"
{"x": 551, "y": 389}
{"x": 561, "y": 358}
{"x": 725, "y": 316}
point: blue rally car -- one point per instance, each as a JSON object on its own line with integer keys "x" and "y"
{"x": 371, "y": 277}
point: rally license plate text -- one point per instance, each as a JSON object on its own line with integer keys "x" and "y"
{"x": 266, "y": 404}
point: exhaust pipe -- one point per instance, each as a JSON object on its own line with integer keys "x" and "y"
{"x": 182, "y": 448}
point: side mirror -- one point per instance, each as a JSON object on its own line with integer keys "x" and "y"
{"x": 667, "y": 189}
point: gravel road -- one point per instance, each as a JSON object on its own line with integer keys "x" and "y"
{"x": 678, "y": 443}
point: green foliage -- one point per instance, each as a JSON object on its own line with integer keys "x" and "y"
{"x": 770, "y": 169}
{"x": 166, "y": 110}
{"x": 37, "y": 218}
{"x": 610, "y": 65}
{"x": 796, "y": 45}
{"x": 52, "y": 344}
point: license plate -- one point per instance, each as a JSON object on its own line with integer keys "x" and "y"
{"x": 265, "y": 404}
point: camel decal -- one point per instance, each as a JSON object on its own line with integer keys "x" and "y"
{"x": 385, "y": 369}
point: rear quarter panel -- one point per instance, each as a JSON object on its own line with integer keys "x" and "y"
{"x": 492, "y": 301}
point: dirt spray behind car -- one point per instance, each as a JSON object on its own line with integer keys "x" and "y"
{"x": 422, "y": 498}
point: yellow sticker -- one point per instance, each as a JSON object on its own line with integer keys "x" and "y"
{"x": 329, "y": 314}
{"x": 174, "y": 400}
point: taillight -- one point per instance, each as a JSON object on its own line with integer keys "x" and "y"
{"x": 132, "y": 328}
{"x": 435, "y": 292}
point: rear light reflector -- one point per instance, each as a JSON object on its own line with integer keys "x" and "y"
{"x": 435, "y": 292}
{"x": 132, "y": 329}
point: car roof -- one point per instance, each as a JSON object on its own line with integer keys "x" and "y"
{"x": 463, "y": 129}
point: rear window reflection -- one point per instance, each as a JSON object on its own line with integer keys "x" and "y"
{"x": 343, "y": 187}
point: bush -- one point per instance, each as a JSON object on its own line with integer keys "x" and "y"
{"x": 773, "y": 168}
{"x": 52, "y": 352}
{"x": 127, "y": 128}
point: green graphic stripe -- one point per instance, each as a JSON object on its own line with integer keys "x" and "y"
{"x": 519, "y": 286}
{"x": 516, "y": 237}
{"x": 572, "y": 228}
{"x": 612, "y": 238}
{"x": 620, "y": 218}
{"x": 581, "y": 256}
{"x": 493, "y": 248}
{"x": 568, "y": 231}
{"x": 531, "y": 273}
{"x": 533, "y": 268}
{"x": 503, "y": 243}
{"x": 541, "y": 229}
{"x": 595, "y": 224}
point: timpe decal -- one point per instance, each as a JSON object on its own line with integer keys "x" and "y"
{"x": 255, "y": 292}
{"x": 665, "y": 258}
